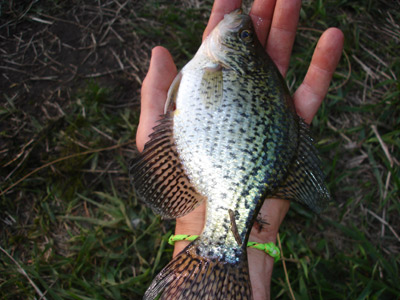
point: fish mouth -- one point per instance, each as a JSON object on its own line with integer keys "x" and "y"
{"x": 230, "y": 25}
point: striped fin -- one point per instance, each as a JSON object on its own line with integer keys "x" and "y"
{"x": 192, "y": 277}
{"x": 159, "y": 178}
{"x": 306, "y": 181}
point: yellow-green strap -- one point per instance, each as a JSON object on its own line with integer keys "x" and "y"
{"x": 270, "y": 248}
{"x": 181, "y": 237}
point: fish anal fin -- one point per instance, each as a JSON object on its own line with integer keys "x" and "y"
{"x": 159, "y": 177}
{"x": 305, "y": 182}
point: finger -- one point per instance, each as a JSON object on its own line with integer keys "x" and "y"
{"x": 261, "y": 13}
{"x": 312, "y": 91}
{"x": 260, "y": 266}
{"x": 282, "y": 33}
{"x": 220, "y": 8}
{"x": 162, "y": 72}
{"x": 272, "y": 212}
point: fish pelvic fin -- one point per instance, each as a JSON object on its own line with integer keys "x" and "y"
{"x": 190, "y": 276}
{"x": 305, "y": 182}
{"x": 158, "y": 176}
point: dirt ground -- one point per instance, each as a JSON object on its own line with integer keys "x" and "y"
{"x": 45, "y": 57}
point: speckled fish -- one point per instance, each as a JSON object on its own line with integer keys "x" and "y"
{"x": 231, "y": 137}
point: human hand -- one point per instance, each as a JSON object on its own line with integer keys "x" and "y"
{"x": 275, "y": 24}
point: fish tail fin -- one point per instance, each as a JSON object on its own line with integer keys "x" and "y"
{"x": 190, "y": 276}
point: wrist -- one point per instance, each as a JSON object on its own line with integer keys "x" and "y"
{"x": 191, "y": 224}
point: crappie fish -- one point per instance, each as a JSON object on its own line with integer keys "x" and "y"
{"x": 231, "y": 137}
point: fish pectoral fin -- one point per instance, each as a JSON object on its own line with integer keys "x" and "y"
{"x": 306, "y": 181}
{"x": 172, "y": 93}
{"x": 211, "y": 86}
{"x": 159, "y": 178}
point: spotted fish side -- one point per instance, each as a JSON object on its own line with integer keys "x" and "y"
{"x": 236, "y": 146}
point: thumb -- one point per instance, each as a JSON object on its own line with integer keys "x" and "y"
{"x": 162, "y": 72}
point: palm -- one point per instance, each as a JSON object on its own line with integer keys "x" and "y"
{"x": 275, "y": 24}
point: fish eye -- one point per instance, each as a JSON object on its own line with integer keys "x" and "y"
{"x": 246, "y": 35}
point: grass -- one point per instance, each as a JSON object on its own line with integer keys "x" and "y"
{"x": 73, "y": 228}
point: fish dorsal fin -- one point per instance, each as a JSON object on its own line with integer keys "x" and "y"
{"x": 211, "y": 86}
{"x": 172, "y": 93}
{"x": 159, "y": 178}
{"x": 306, "y": 181}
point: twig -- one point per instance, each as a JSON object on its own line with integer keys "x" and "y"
{"x": 86, "y": 209}
{"x": 117, "y": 35}
{"x": 13, "y": 69}
{"x": 99, "y": 74}
{"x": 373, "y": 55}
{"x": 22, "y": 271}
{"x": 385, "y": 223}
{"x": 18, "y": 64}
{"x": 284, "y": 268}
{"x": 383, "y": 145}
{"x": 121, "y": 65}
{"x": 44, "y": 78}
{"x": 52, "y": 59}
{"x": 41, "y": 20}
{"x": 350, "y": 144}
{"x": 74, "y": 141}
{"x": 93, "y": 48}
{"x": 61, "y": 20}
{"x": 101, "y": 171}
{"x": 20, "y": 163}
{"x": 103, "y": 134}
{"x": 389, "y": 175}
{"x": 26, "y": 10}
{"x": 19, "y": 154}
{"x": 62, "y": 159}
{"x": 121, "y": 6}
{"x": 334, "y": 88}
{"x": 365, "y": 68}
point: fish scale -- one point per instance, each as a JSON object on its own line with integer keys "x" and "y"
{"x": 231, "y": 137}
